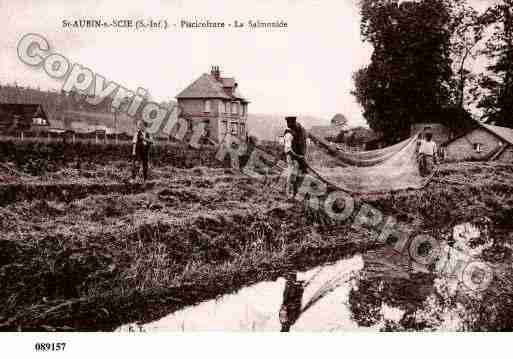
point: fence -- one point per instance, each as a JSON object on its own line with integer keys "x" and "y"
{"x": 74, "y": 137}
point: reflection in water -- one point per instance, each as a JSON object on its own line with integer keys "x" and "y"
{"x": 437, "y": 297}
{"x": 312, "y": 300}
{"x": 375, "y": 292}
{"x": 379, "y": 290}
{"x": 389, "y": 284}
{"x": 290, "y": 309}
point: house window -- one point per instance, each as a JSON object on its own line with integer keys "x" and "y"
{"x": 207, "y": 106}
{"x": 233, "y": 129}
{"x": 477, "y": 147}
{"x": 235, "y": 108}
{"x": 227, "y": 107}
{"x": 242, "y": 126}
{"x": 244, "y": 109}
{"x": 221, "y": 107}
{"x": 224, "y": 128}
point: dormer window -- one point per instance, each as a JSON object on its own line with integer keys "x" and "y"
{"x": 477, "y": 147}
{"x": 206, "y": 106}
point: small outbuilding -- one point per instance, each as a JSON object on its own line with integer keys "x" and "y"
{"x": 485, "y": 143}
{"x": 22, "y": 117}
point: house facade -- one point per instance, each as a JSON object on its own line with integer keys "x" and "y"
{"x": 486, "y": 142}
{"x": 217, "y": 102}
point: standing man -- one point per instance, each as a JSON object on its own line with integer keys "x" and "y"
{"x": 295, "y": 150}
{"x": 427, "y": 153}
{"x": 141, "y": 144}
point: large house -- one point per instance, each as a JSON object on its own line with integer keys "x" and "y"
{"x": 485, "y": 142}
{"x": 15, "y": 117}
{"x": 217, "y": 102}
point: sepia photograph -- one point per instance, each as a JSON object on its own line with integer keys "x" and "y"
{"x": 255, "y": 166}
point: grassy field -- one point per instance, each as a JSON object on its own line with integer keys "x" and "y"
{"x": 82, "y": 249}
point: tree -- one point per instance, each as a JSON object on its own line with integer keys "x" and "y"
{"x": 497, "y": 102}
{"x": 467, "y": 32}
{"x": 409, "y": 77}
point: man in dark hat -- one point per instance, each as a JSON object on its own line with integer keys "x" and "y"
{"x": 295, "y": 149}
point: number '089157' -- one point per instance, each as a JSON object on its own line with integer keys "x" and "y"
{"x": 52, "y": 347}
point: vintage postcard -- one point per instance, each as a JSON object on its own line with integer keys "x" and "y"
{"x": 255, "y": 166}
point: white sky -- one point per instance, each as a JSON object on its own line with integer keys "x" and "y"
{"x": 304, "y": 69}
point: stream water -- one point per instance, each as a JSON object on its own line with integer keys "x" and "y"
{"x": 326, "y": 305}
{"x": 379, "y": 290}
{"x": 258, "y": 307}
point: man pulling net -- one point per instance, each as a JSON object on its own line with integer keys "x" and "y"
{"x": 427, "y": 154}
{"x": 295, "y": 150}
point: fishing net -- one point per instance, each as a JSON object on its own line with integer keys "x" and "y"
{"x": 384, "y": 170}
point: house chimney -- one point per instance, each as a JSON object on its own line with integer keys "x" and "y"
{"x": 216, "y": 73}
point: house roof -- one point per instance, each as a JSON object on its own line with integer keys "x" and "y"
{"x": 23, "y": 108}
{"x": 206, "y": 86}
{"x": 503, "y": 132}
